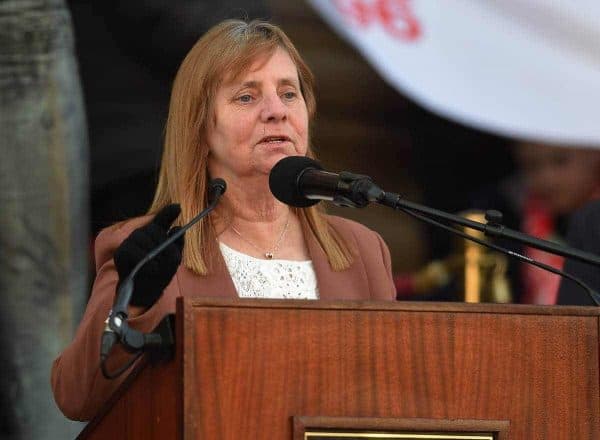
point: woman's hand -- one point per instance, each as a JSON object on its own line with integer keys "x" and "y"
{"x": 154, "y": 277}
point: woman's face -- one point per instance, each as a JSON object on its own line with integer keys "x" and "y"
{"x": 260, "y": 118}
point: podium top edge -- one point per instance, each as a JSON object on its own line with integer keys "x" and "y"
{"x": 405, "y": 306}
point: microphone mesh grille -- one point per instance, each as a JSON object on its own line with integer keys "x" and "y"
{"x": 284, "y": 180}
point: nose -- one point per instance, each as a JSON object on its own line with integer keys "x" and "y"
{"x": 273, "y": 110}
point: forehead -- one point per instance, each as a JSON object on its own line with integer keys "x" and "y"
{"x": 277, "y": 65}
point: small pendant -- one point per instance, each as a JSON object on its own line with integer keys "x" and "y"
{"x": 269, "y": 255}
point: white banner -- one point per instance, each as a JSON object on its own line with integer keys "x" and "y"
{"x": 527, "y": 69}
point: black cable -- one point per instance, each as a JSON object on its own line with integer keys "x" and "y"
{"x": 593, "y": 295}
{"x": 113, "y": 375}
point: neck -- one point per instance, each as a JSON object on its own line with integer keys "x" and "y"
{"x": 253, "y": 222}
{"x": 251, "y": 203}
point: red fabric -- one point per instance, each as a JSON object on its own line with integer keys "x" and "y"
{"x": 405, "y": 286}
{"x": 540, "y": 286}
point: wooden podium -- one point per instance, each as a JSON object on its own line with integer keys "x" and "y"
{"x": 260, "y": 369}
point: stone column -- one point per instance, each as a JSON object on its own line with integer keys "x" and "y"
{"x": 43, "y": 211}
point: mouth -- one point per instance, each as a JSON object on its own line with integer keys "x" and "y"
{"x": 274, "y": 140}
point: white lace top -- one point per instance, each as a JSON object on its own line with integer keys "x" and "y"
{"x": 256, "y": 278}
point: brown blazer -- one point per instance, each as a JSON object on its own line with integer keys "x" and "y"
{"x": 79, "y": 387}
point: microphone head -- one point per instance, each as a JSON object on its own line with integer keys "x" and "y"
{"x": 216, "y": 188}
{"x": 218, "y": 184}
{"x": 284, "y": 180}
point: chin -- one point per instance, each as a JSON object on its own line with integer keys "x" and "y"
{"x": 265, "y": 166}
{"x": 277, "y": 157}
{"x": 267, "y": 163}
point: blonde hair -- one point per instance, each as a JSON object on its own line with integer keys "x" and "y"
{"x": 226, "y": 50}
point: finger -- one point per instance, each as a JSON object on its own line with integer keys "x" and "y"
{"x": 127, "y": 258}
{"x": 133, "y": 251}
{"x": 167, "y": 215}
{"x": 148, "y": 238}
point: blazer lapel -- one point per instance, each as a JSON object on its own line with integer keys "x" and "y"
{"x": 217, "y": 284}
{"x": 347, "y": 284}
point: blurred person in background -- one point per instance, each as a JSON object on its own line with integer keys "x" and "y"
{"x": 583, "y": 233}
{"x": 550, "y": 182}
{"x": 558, "y": 180}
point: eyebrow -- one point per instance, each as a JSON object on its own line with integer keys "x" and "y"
{"x": 256, "y": 84}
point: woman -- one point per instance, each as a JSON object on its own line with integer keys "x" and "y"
{"x": 241, "y": 101}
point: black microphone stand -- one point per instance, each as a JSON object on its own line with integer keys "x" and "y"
{"x": 299, "y": 181}
{"x": 117, "y": 327}
{"x": 493, "y": 228}
{"x": 367, "y": 190}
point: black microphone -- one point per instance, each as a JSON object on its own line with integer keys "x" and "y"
{"x": 301, "y": 182}
{"x": 116, "y": 323}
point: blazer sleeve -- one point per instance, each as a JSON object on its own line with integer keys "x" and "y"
{"x": 372, "y": 257}
{"x": 78, "y": 385}
{"x": 389, "y": 287}
{"x": 379, "y": 269}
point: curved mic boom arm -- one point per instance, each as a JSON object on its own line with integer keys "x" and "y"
{"x": 493, "y": 228}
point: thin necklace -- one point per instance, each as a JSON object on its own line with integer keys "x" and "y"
{"x": 268, "y": 254}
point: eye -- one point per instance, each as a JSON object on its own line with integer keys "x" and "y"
{"x": 244, "y": 99}
{"x": 289, "y": 95}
